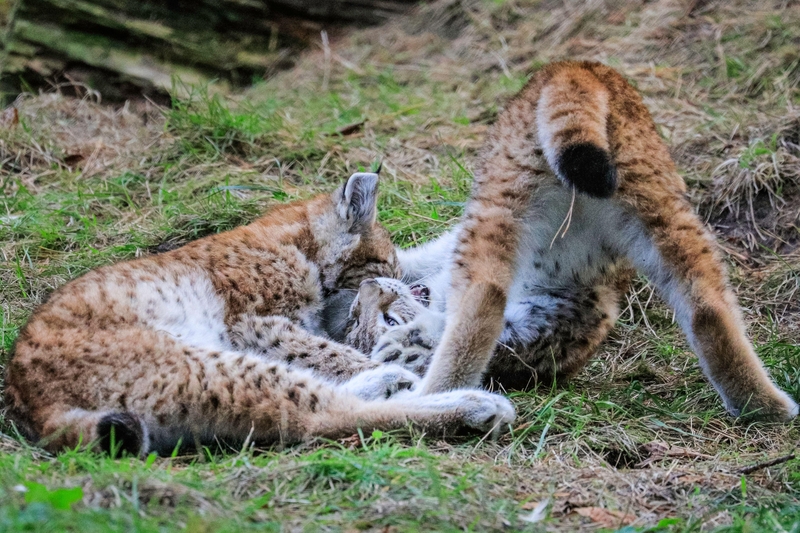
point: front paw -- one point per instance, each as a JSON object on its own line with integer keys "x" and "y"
{"x": 381, "y": 383}
{"x": 407, "y": 348}
{"x": 486, "y": 411}
{"x": 476, "y": 409}
{"x": 767, "y": 406}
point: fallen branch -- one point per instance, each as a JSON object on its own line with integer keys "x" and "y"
{"x": 766, "y": 464}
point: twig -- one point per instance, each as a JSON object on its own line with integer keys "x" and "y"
{"x": 347, "y": 64}
{"x": 766, "y": 464}
{"x": 567, "y": 221}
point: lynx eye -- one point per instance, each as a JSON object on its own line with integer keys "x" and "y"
{"x": 391, "y": 322}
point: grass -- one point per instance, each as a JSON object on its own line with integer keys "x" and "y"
{"x": 637, "y": 442}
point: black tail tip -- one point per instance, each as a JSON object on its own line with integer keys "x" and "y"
{"x": 120, "y": 433}
{"x": 588, "y": 168}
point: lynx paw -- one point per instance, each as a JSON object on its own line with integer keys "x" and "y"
{"x": 409, "y": 347}
{"x": 477, "y": 409}
{"x": 381, "y": 383}
{"x": 770, "y": 406}
{"x": 485, "y": 411}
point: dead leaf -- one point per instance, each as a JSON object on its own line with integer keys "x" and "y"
{"x": 352, "y": 442}
{"x": 529, "y": 506}
{"x": 9, "y": 117}
{"x": 606, "y": 517}
{"x": 351, "y": 128}
{"x": 522, "y": 426}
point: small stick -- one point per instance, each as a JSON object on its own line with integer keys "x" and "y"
{"x": 766, "y": 464}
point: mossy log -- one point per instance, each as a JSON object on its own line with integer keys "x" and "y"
{"x": 124, "y": 46}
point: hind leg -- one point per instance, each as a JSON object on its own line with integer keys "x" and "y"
{"x": 680, "y": 257}
{"x": 272, "y": 403}
{"x": 232, "y": 395}
{"x": 246, "y": 395}
{"x": 291, "y": 407}
{"x": 161, "y": 392}
{"x": 440, "y": 413}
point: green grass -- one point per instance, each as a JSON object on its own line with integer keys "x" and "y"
{"x": 331, "y": 484}
{"x": 83, "y": 187}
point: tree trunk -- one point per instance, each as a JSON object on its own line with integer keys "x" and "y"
{"x": 124, "y": 47}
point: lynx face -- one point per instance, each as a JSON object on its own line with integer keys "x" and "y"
{"x": 350, "y": 245}
{"x": 381, "y": 305}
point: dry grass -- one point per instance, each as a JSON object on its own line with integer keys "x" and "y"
{"x": 76, "y": 134}
{"x": 639, "y": 435}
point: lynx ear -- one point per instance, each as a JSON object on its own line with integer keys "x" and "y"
{"x": 358, "y": 201}
{"x": 369, "y": 287}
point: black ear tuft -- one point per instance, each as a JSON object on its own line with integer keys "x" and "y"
{"x": 120, "y": 432}
{"x": 359, "y": 201}
{"x": 588, "y": 168}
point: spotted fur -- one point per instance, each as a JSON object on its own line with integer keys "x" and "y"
{"x": 381, "y": 304}
{"x": 221, "y": 339}
{"x": 574, "y": 186}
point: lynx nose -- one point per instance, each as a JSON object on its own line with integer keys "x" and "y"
{"x": 421, "y": 293}
{"x": 368, "y": 281}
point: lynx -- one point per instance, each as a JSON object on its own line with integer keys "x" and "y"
{"x": 392, "y": 321}
{"x": 573, "y": 190}
{"x": 222, "y": 339}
